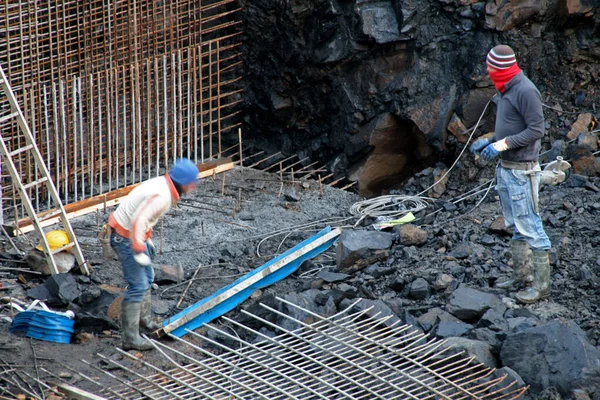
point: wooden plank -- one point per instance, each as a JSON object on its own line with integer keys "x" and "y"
{"x": 76, "y": 393}
{"x": 110, "y": 199}
{"x": 217, "y": 169}
{"x": 246, "y": 283}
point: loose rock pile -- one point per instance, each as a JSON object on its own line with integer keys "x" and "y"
{"x": 438, "y": 274}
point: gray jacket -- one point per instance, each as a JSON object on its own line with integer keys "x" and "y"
{"x": 520, "y": 119}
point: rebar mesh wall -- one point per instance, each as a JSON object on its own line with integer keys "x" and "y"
{"x": 115, "y": 90}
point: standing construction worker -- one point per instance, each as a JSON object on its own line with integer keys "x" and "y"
{"x": 131, "y": 224}
{"x": 517, "y": 141}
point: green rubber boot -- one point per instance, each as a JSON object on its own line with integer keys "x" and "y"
{"x": 522, "y": 269}
{"x": 130, "y": 318}
{"x": 540, "y": 289}
{"x": 146, "y": 320}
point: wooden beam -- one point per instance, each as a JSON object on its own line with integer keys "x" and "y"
{"x": 110, "y": 199}
{"x": 76, "y": 393}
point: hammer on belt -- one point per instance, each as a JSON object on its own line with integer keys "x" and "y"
{"x": 532, "y": 173}
{"x": 104, "y": 237}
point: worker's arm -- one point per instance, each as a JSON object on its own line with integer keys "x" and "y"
{"x": 529, "y": 104}
{"x": 149, "y": 211}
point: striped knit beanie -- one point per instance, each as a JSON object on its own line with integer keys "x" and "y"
{"x": 501, "y": 57}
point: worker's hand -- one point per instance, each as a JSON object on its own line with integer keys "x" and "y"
{"x": 151, "y": 248}
{"x": 479, "y": 145}
{"x": 489, "y": 153}
{"x": 142, "y": 259}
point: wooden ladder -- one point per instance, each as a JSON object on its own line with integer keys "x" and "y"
{"x": 41, "y": 177}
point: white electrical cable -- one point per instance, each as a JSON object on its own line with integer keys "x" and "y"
{"x": 396, "y": 206}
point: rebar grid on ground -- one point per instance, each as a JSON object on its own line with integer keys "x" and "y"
{"x": 350, "y": 355}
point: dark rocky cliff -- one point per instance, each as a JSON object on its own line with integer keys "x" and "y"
{"x": 369, "y": 86}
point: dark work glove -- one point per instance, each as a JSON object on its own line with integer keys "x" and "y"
{"x": 479, "y": 145}
{"x": 489, "y": 153}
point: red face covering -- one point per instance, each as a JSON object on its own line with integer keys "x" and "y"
{"x": 501, "y": 77}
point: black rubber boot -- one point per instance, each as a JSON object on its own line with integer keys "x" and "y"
{"x": 522, "y": 269}
{"x": 130, "y": 318}
{"x": 540, "y": 289}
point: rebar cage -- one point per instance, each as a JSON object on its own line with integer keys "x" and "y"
{"x": 115, "y": 90}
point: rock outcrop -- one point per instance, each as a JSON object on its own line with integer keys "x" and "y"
{"x": 370, "y": 86}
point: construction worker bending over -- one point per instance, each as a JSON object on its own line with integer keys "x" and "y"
{"x": 517, "y": 140}
{"x": 131, "y": 225}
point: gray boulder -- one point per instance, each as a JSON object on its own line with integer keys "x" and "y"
{"x": 470, "y": 304}
{"x": 419, "y": 289}
{"x": 307, "y": 300}
{"x": 433, "y": 316}
{"x": 358, "y": 249}
{"x": 472, "y": 348}
{"x": 553, "y": 355}
{"x": 379, "y": 310}
{"x": 512, "y": 378}
{"x": 452, "y": 328}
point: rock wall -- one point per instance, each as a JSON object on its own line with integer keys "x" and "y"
{"x": 369, "y": 86}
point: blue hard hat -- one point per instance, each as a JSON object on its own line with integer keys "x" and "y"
{"x": 184, "y": 172}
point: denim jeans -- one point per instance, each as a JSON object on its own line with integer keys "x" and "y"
{"x": 516, "y": 199}
{"x": 138, "y": 277}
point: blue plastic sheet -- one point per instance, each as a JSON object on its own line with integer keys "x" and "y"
{"x": 233, "y": 301}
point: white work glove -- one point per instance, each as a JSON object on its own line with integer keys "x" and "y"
{"x": 501, "y": 145}
{"x": 142, "y": 259}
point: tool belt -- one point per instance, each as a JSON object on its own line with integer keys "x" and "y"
{"x": 523, "y": 166}
{"x": 104, "y": 237}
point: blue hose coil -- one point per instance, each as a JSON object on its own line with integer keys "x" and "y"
{"x": 44, "y": 325}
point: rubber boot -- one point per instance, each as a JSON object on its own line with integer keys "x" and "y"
{"x": 540, "y": 289}
{"x": 130, "y": 318}
{"x": 146, "y": 313}
{"x": 522, "y": 269}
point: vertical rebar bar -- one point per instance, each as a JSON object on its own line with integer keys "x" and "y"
{"x": 81, "y": 136}
{"x": 157, "y": 108}
{"x": 165, "y": 109}
{"x": 47, "y": 129}
{"x": 56, "y": 133}
{"x": 148, "y": 114}
{"x": 219, "y": 94}
{"x": 91, "y": 170}
{"x": 189, "y": 102}
{"x": 179, "y": 104}
{"x": 75, "y": 124}
{"x": 200, "y": 67}
{"x": 174, "y": 105}
{"x": 109, "y": 109}
{"x": 210, "y": 101}
{"x": 132, "y": 93}
{"x": 63, "y": 119}
{"x": 193, "y": 115}
{"x": 124, "y": 127}
{"x": 240, "y": 141}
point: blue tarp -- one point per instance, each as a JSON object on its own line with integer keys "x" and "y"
{"x": 233, "y": 301}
